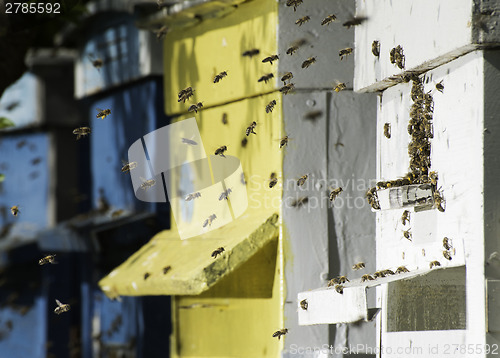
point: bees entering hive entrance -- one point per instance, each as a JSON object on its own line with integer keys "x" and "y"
{"x": 435, "y": 301}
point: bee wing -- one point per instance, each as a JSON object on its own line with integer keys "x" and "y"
{"x": 59, "y": 303}
{"x": 143, "y": 180}
{"x": 99, "y": 109}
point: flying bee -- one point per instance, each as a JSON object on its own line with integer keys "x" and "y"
{"x": 387, "y": 130}
{"x": 81, "y": 132}
{"x": 251, "y": 53}
{"x": 166, "y": 269}
{"x": 283, "y": 331}
{"x": 273, "y": 180}
{"x": 343, "y": 279}
{"x": 270, "y": 106}
{"x": 341, "y": 86}
{"x": 265, "y": 78}
{"x": 402, "y": 269}
{"x": 209, "y": 221}
{"x": 217, "y": 252}
{"x": 308, "y": 62}
{"x": 327, "y": 20}
{"x": 440, "y": 86}
{"x": 376, "y": 48}
{"x": 147, "y": 183}
{"x": 438, "y": 201}
{"x": 433, "y": 177}
{"x": 220, "y": 76}
{"x": 292, "y": 49}
{"x": 446, "y": 243}
{"x": 103, "y": 113}
{"x": 405, "y": 217}
{"x": 61, "y": 307}
{"x": 220, "y": 151}
{"x": 270, "y": 59}
{"x": 334, "y": 193}
{"x": 339, "y": 289}
{"x": 146, "y": 275}
{"x": 15, "y": 210}
{"x": 224, "y": 118}
{"x": 195, "y": 107}
{"x": 300, "y": 202}
{"x": 250, "y": 128}
{"x": 333, "y": 282}
{"x": 294, "y": 3}
{"x": 185, "y": 94}
{"x": 193, "y": 196}
{"x": 434, "y": 264}
{"x": 161, "y": 32}
{"x": 357, "y": 20}
{"x": 302, "y": 20}
{"x": 49, "y": 259}
{"x": 96, "y": 62}
{"x": 345, "y": 52}
{"x": 378, "y": 274}
{"x": 447, "y": 255}
{"x": 284, "y": 141}
{"x": 225, "y": 194}
{"x": 407, "y": 234}
{"x": 188, "y": 141}
{"x": 358, "y": 266}
{"x": 244, "y": 142}
{"x": 287, "y": 76}
{"x": 366, "y": 278}
{"x": 304, "y": 304}
{"x": 128, "y": 166}
{"x": 302, "y": 180}
{"x": 287, "y": 88}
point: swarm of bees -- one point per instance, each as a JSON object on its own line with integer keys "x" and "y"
{"x": 217, "y": 252}
{"x": 358, "y": 266}
{"x": 225, "y": 194}
{"x": 81, "y": 132}
{"x": 220, "y": 151}
{"x": 220, "y": 76}
{"x": 397, "y": 57}
{"x": 286, "y": 77}
{"x": 251, "y": 53}
{"x": 334, "y": 193}
{"x": 304, "y": 305}
{"x": 147, "y": 183}
{"x": 329, "y": 19}
{"x": 270, "y": 59}
{"x": 265, "y": 78}
{"x": 15, "y": 210}
{"x": 302, "y": 180}
{"x": 376, "y": 48}
{"x": 287, "y": 88}
{"x": 302, "y": 20}
{"x": 61, "y": 307}
{"x": 308, "y": 62}
{"x": 345, "y": 52}
{"x": 250, "y": 128}
{"x": 193, "y": 196}
{"x": 103, "y": 113}
{"x": 341, "y": 86}
{"x": 283, "y": 331}
{"x": 270, "y": 106}
{"x": 208, "y": 222}
{"x": 49, "y": 259}
{"x": 387, "y": 130}
{"x": 195, "y": 107}
{"x": 185, "y": 94}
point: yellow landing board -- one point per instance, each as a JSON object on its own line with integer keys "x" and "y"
{"x": 193, "y": 269}
{"x": 193, "y": 57}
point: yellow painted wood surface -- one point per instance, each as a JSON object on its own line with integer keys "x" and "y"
{"x": 195, "y": 55}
